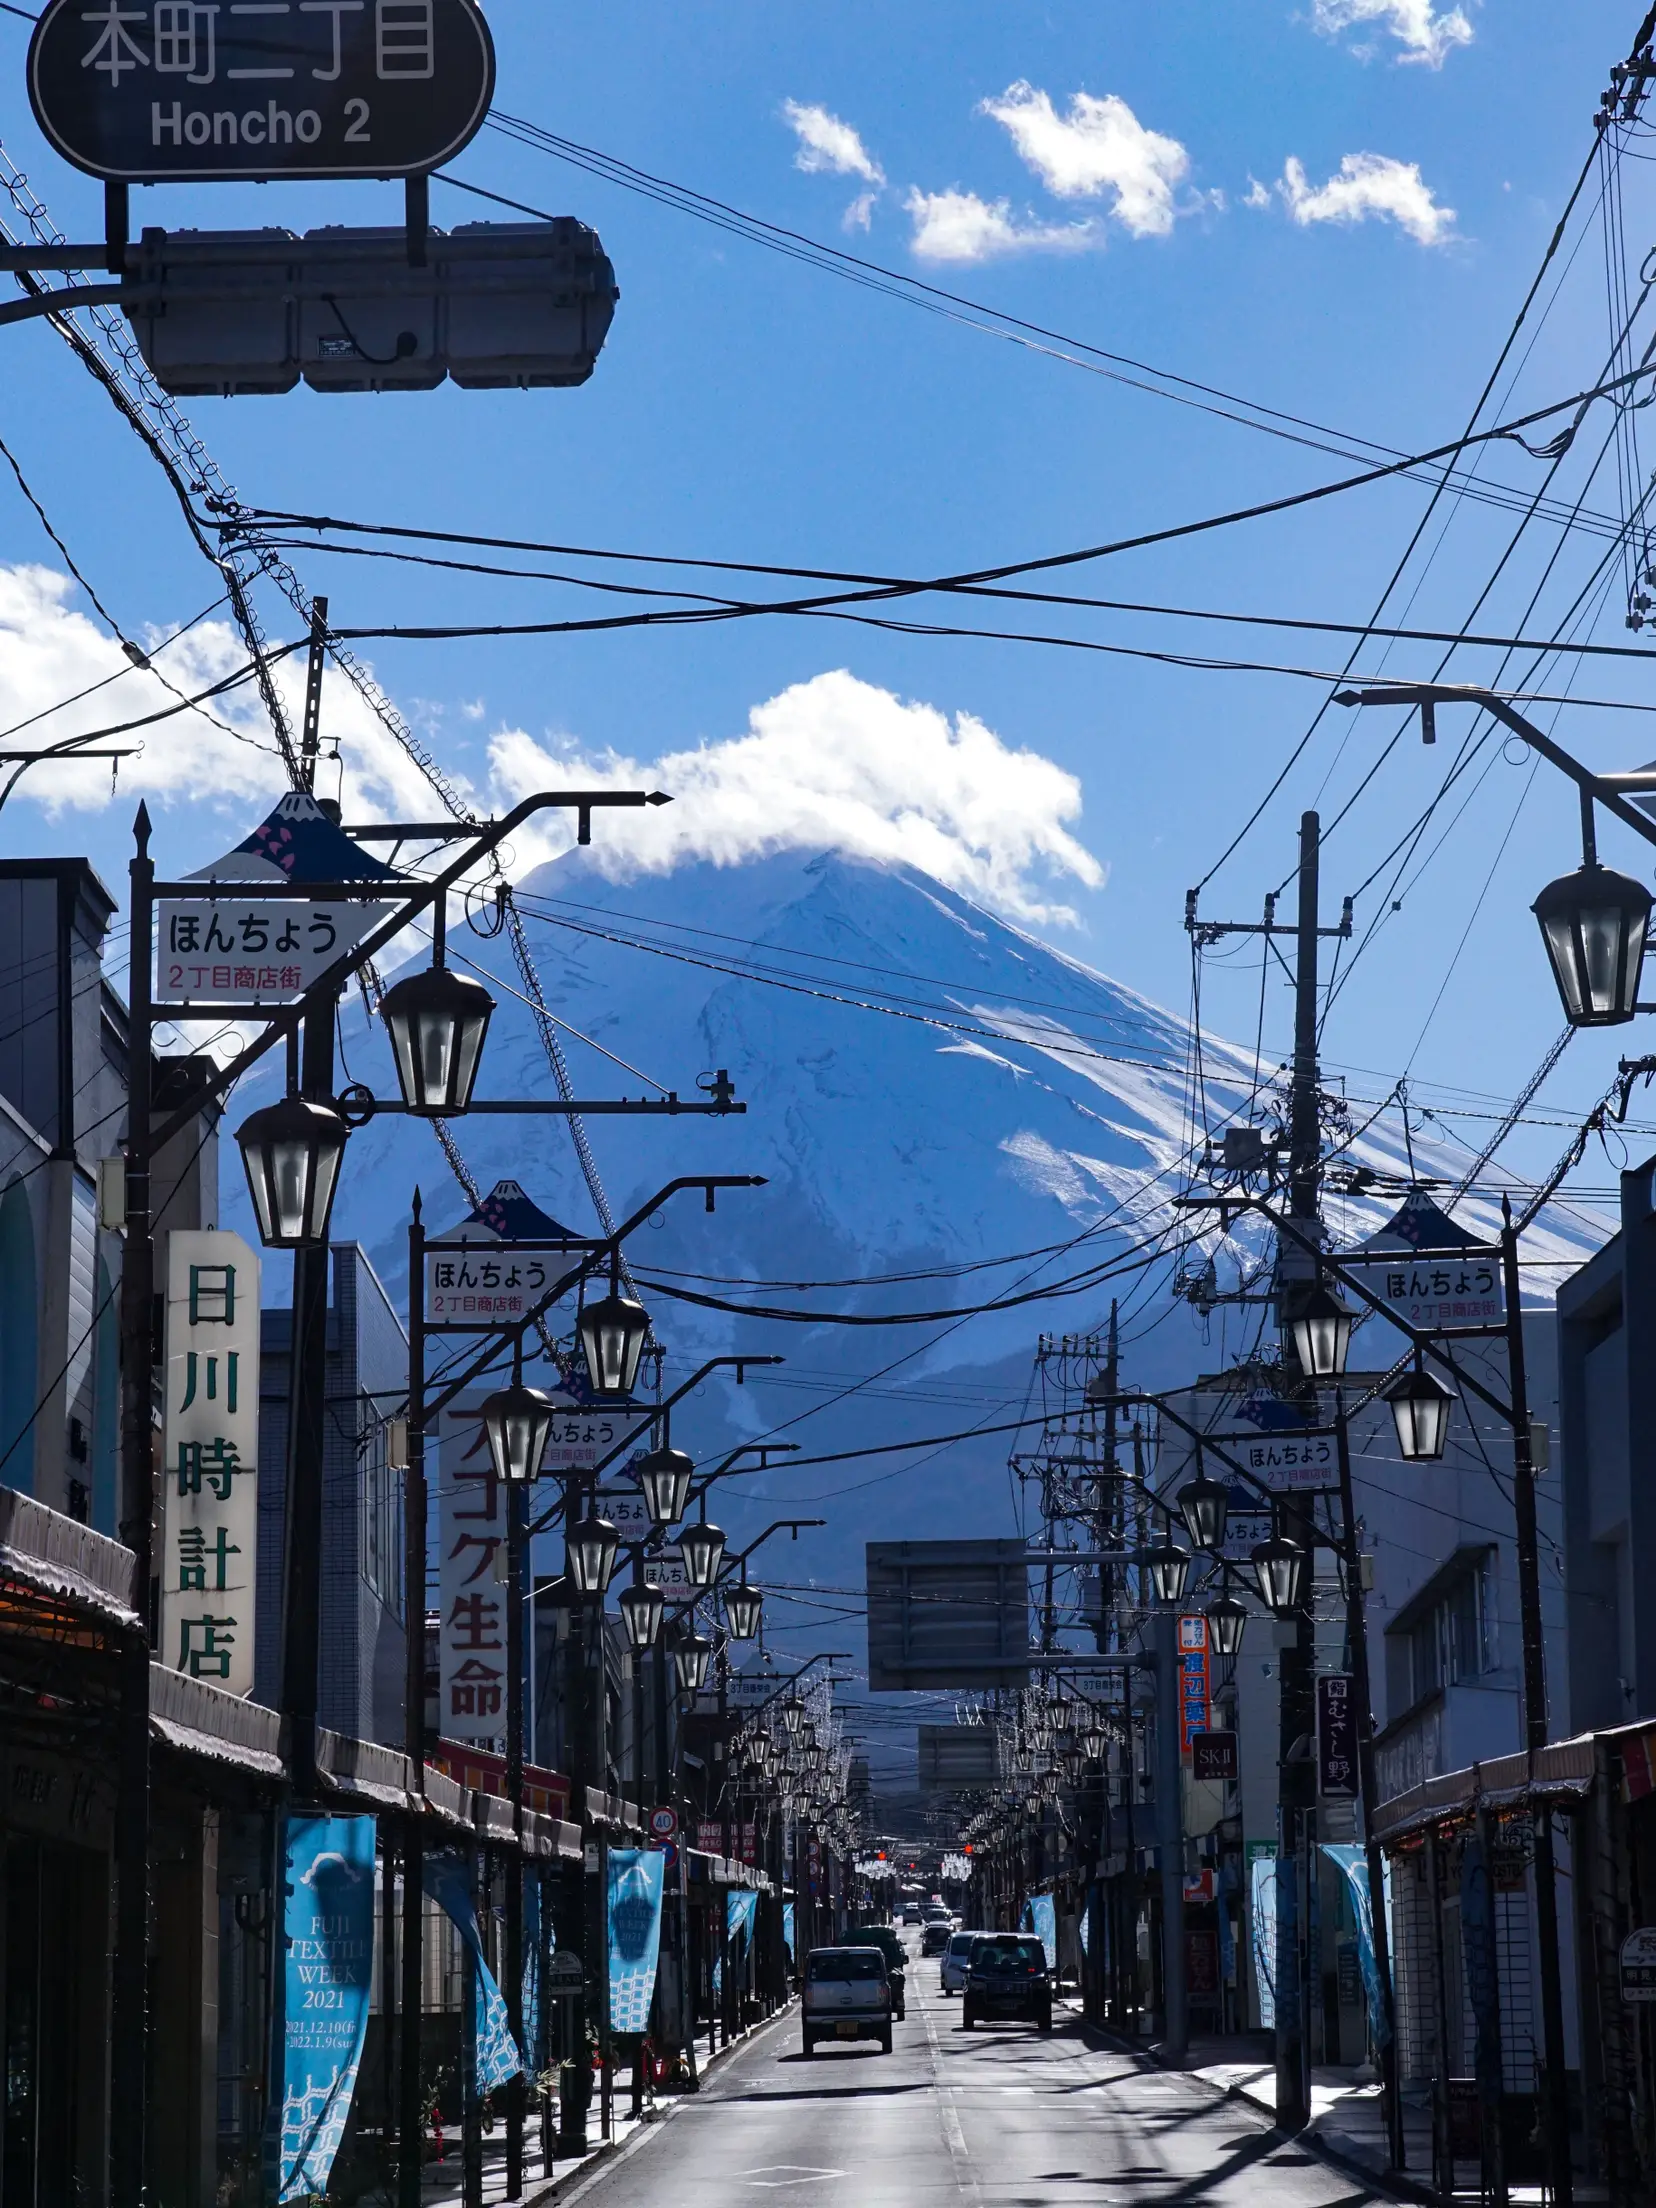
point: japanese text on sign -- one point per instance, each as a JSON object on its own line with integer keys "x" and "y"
{"x": 483, "y": 1285}
{"x": 258, "y": 88}
{"x": 1336, "y": 1736}
{"x": 1432, "y": 1294}
{"x": 251, "y": 951}
{"x": 210, "y": 1444}
{"x": 472, "y": 1528}
{"x": 1194, "y": 1681}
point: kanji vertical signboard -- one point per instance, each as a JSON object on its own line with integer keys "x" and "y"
{"x": 471, "y": 1519}
{"x": 1194, "y": 1683}
{"x": 153, "y": 91}
{"x": 1336, "y": 1737}
{"x": 210, "y": 1459}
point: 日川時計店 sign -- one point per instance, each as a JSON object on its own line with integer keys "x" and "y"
{"x": 152, "y": 91}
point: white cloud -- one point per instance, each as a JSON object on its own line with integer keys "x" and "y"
{"x": 958, "y": 226}
{"x": 827, "y": 146}
{"x": 832, "y": 763}
{"x": 1425, "y": 33}
{"x": 48, "y": 652}
{"x": 1369, "y": 184}
{"x": 860, "y": 213}
{"x": 1100, "y": 147}
{"x": 836, "y": 763}
{"x": 1257, "y": 194}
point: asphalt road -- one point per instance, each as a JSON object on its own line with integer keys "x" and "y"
{"x": 998, "y": 2118}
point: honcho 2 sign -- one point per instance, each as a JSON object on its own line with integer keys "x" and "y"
{"x": 155, "y": 91}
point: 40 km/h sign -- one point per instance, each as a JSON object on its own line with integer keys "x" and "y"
{"x": 156, "y": 91}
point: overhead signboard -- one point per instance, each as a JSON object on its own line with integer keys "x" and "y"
{"x": 156, "y": 91}
{"x": 210, "y": 1465}
{"x": 956, "y": 1759}
{"x": 226, "y": 947}
{"x": 945, "y": 1614}
{"x": 1436, "y": 1295}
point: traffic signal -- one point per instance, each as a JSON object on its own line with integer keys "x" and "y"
{"x": 491, "y": 305}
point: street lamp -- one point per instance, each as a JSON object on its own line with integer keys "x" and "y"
{"x": 702, "y": 1547}
{"x": 1204, "y": 1505}
{"x": 1227, "y": 1621}
{"x": 612, "y": 1332}
{"x": 665, "y": 1476}
{"x": 437, "y": 1021}
{"x": 642, "y": 1605}
{"x": 518, "y": 1422}
{"x": 744, "y": 1607}
{"x": 1094, "y": 1741}
{"x": 1420, "y": 1406}
{"x": 1279, "y": 1567}
{"x": 1169, "y": 1569}
{"x": 793, "y": 1715}
{"x": 589, "y": 1553}
{"x": 690, "y": 1659}
{"x": 1060, "y": 1714}
{"x": 1322, "y": 1335}
{"x": 1594, "y": 923}
{"x": 291, "y": 1152}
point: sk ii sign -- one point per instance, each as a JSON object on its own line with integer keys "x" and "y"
{"x": 155, "y": 91}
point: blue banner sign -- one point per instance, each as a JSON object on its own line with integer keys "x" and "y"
{"x": 328, "y": 1925}
{"x": 636, "y": 1881}
{"x": 495, "y": 2058}
{"x": 1041, "y": 1918}
{"x": 788, "y": 1926}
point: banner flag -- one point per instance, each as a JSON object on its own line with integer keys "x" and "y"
{"x": 788, "y": 1926}
{"x": 328, "y": 1927}
{"x": 1352, "y": 1861}
{"x": 1263, "y": 1918}
{"x": 1041, "y": 1918}
{"x": 739, "y": 1914}
{"x": 534, "y": 2053}
{"x": 448, "y": 1880}
{"x": 637, "y": 1877}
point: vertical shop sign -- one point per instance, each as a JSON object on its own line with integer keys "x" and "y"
{"x": 210, "y": 1459}
{"x": 1194, "y": 1684}
{"x": 471, "y": 1520}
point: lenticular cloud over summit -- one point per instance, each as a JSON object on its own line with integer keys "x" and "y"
{"x": 839, "y": 764}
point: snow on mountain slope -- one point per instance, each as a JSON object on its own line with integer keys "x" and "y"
{"x": 927, "y": 1088}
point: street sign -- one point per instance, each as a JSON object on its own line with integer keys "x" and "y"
{"x": 1336, "y": 1737}
{"x": 226, "y": 947}
{"x": 1437, "y": 1295}
{"x": 1638, "y": 1965}
{"x": 486, "y": 1284}
{"x": 155, "y": 91}
{"x": 664, "y": 1824}
{"x": 627, "y": 1512}
{"x": 958, "y": 1758}
{"x": 581, "y": 1435}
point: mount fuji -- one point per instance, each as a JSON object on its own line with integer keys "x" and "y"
{"x": 948, "y": 1113}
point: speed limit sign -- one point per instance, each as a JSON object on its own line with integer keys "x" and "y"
{"x": 664, "y": 1824}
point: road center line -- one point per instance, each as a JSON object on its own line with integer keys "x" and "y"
{"x": 948, "y": 2116}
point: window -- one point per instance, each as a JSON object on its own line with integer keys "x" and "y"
{"x": 1446, "y": 1634}
{"x": 847, "y": 1963}
{"x": 382, "y": 1513}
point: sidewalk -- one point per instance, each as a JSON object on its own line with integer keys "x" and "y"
{"x": 441, "y": 2183}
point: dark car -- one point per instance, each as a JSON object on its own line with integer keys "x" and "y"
{"x": 935, "y": 1935}
{"x": 1006, "y": 1976}
{"x": 890, "y": 1945}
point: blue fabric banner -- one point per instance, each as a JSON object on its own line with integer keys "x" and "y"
{"x": 739, "y": 1913}
{"x": 788, "y": 1926}
{"x": 1263, "y": 1918}
{"x": 534, "y": 2053}
{"x": 1352, "y": 1861}
{"x": 448, "y": 1880}
{"x": 1040, "y": 1916}
{"x": 637, "y": 1879}
{"x": 328, "y": 1927}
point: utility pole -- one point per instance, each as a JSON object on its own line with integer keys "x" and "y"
{"x": 411, "y": 2113}
{"x": 1295, "y": 1278}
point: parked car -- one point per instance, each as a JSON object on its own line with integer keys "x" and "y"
{"x": 936, "y": 1934}
{"x": 890, "y": 1945}
{"x": 1006, "y": 1977}
{"x": 847, "y": 1996}
{"x": 955, "y": 1956}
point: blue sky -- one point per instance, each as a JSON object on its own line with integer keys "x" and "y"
{"x": 1332, "y": 209}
